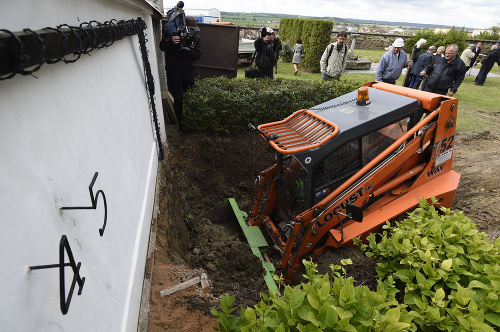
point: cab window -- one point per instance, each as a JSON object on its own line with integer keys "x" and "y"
{"x": 343, "y": 163}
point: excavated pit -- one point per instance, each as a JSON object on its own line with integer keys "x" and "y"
{"x": 201, "y": 171}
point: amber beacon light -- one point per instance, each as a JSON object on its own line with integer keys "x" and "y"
{"x": 363, "y": 98}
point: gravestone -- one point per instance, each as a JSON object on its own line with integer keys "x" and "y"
{"x": 353, "y": 62}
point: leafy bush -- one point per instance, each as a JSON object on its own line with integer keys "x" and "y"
{"x": 222, "y": 104}
{"x": 315, "y": 34}
{"x": 485, "y": 35}
{"x": 286, "y": 53}
{"x": 320, "y": 305}
{"x": 445, "y": 270}
{"x": 436, "y": 273}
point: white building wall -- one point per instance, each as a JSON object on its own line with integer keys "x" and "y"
{"x": 56, "y": 132}
{"x": 206, "y": 15}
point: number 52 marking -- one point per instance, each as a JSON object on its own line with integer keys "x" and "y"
{"x": 444, "y": 145}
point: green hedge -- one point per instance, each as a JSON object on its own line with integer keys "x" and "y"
{"x": 315, "y": 35}
{"x": 222, "y": 104}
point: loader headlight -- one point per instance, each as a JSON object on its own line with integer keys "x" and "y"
{"x": 363, "y": 98}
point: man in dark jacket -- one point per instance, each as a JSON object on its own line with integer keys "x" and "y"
{"x": 487, "y": 63}
{"x": 423, "y": 61}
{"x": 445, "y": 73}
{"x": 414, "y": 55}
{"x": 477, "y": 51}
{"x": 266, "y": 47}
{"x": 180, "y": 56}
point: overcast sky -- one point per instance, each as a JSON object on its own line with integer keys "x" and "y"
{"x": 480, "y": 14}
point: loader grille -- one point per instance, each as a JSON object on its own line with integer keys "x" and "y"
{"x": 301, "y": 131}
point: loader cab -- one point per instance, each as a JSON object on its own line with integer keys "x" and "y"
{"x": 361, "y": 133}
{"x": 334, "y": 169}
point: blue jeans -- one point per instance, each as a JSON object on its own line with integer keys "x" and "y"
{"x": 415, "y": 81}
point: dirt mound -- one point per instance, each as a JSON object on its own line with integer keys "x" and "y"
{"x": 201, "y": 172}
{"x": 477, "y": 159}
{"x": 227, "y": 260}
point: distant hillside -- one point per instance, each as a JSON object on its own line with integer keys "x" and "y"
{"x": 402, "y": 24}
{"x": 338, "y": 20}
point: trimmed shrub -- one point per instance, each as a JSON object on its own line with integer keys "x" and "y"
{"x": 221, "y": 104}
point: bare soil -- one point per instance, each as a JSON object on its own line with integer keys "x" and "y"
{"x": 201, "y": 171}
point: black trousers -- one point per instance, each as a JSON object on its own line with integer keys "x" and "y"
{"x": 177, "y": 85}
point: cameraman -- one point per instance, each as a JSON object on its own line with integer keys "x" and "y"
{"x": 181, "y": 51}
{"x": 266, "y": 47}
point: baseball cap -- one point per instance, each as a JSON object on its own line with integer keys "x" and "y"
{"x": 399, "y": 42}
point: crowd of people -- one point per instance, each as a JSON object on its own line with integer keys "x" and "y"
{"x": 438, "y": 72}
{"x": 438, "y": 69}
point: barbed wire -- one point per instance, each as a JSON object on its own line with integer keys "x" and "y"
{"x": 76, "y": 41}
{"x": 83, "y": 39}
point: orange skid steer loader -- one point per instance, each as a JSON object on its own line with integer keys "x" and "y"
{"x": 345, "y": 167}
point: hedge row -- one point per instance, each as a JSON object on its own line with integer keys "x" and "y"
{"x": 222, "y": 104}
{"x": 315, "y": 35}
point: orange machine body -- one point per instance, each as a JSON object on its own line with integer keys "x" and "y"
{"x": 342, "y": 153}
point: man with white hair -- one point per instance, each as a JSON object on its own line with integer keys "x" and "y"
{"x": 445, "y": 73}
{"x": 467, "y": 56}
{"x": 392, "y": 63}
{"x": 415, "y": 54}
{"x": 440, "y": 51}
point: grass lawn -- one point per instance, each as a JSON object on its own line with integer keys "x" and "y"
{"x": 478, "y": 105}
{"x": 373, "y": 55}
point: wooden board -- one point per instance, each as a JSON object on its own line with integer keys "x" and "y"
{"x": 406, "y": 80}
{"x": 168, "y": 108}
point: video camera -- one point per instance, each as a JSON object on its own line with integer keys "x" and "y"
{"x": 176, "y": 26}
{"x": 264, "y": 32}
{"x": 187, "y": 34}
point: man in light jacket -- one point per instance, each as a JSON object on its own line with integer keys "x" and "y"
{"x": 334, "y": 58}
{"x": 467, "y": 56}
{"x": 392, "y": 63}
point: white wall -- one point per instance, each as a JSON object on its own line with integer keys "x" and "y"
{"x": 56, "y": 131}
{"x": 207, "y": 15}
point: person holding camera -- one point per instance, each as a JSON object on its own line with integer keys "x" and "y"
{"x": 266, "y": 47}
{"x": 182, "y": 49}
